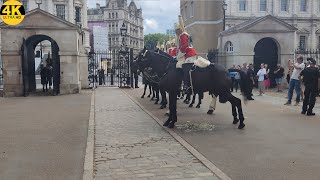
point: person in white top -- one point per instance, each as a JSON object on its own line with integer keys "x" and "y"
{"x": 295, "y": 81}
{"x": 260, "y": 74}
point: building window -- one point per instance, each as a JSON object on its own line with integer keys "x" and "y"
{"x": 242, "y": 5}
{"x": 116, "y": 15}
{"x": 263, "y": 5}
{"x": 78, "y": 14}
{"x": 61, "y": 11}
{"x": 112, "y": 15}
{"x": 302, "y": 43}
{"x": 191, "y": 10}
{"x": 185, "y": 12}
{"x": 109, "y": 15}
{"x": 284, "y": 5}
{"x": 25, "y": 5}
{"x": 229, "y": 47}
{"x": 303, "y": 5}
{"x": 319, "y": 42}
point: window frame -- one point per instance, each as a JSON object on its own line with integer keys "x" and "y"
{"x": 58, "y": 10}
{"x": 286, "y": 7}
{"x": 77, "y": 14}
{"x": 245, "y": 5}
{"x": 261, "y": 5}
{"x": 305, "y": 6}
{"x": 229, "y": 47}
{"x": 300, "y": 42}
{"x": 191, "y": 9}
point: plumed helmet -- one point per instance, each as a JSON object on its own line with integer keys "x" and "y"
{"x": 181, "y": 24}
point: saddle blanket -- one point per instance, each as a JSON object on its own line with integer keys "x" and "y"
{"x": 201, "y": 62}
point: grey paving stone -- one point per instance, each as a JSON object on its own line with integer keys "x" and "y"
{"x": 129, "y": 144}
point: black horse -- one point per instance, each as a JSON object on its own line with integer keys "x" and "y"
{"x": 214, "y": 78}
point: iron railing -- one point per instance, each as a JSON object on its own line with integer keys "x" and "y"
{"x": 308, "y": 53}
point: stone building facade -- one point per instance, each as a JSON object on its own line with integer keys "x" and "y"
{"x": 203, "y": 21}
{"x": 281, "y": 26}
{"x": 112, "y": 16}
{"x": 61, "y": 26}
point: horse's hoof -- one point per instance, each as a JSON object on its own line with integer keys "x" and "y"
{"x": 148, "y": 96}
{"x": 166, "y": 123}
{"x": 171, "y": 125}
{"x": 187, "y": 102}
{"x": 198, "y": 106}
{"x": 210, "y": 112}
{"x": 235, "y": 121}
{"x": 241, "y": 126}
{"x": 156, "y": 102}
{"x": 191, "y": 105}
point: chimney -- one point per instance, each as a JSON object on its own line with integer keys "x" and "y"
{"x": 97, "y": 5}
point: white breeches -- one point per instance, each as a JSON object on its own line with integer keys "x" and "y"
{"x": 213, "y": 103}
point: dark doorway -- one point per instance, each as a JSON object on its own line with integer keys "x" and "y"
{"x": 28, "y": 63}
{"x": 266, "y": 51}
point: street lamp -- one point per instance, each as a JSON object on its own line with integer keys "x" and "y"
{"x": 39, "y": 2}
{"x": 224, "y": 8}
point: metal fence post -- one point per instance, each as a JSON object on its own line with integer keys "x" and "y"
{"x": 130, "y": 63}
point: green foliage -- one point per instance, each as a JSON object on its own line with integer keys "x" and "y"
{"x": 151, "y": 40}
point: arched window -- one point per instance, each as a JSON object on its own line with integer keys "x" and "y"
{"x": 109, "y": 15}
{"x": 229, "y": 47}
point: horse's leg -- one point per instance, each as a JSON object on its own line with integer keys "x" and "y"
{"x": 153, "y": 92}
{"x": 164, "y": 99}
{"x": 171, "y": 108}
{"x": 144, "y": 91}
{"x": 193, "y": 100}
{"x": 236, "y": 104}
{"x": 200, "y": 96}
{"x": 213, "y": 103}
{"x": 157, "y": 95}
{"x": 149, "y": 89}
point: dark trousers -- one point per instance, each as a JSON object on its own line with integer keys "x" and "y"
{"x": 233, "y": 81}
{"x": 309, "y": 98}
{"x": 136, "y": 77}
{"x": 250, "y": 88}
{"x": 237, "y": 84}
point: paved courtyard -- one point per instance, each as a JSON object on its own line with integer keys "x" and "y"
{"x": 277, "y": 143}
{"x": 43, "y": 137}
{"x": 129, "y": 144}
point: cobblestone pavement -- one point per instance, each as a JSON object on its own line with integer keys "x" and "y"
{"x": 129, "y": 144}
{"x": 277, "y": 143}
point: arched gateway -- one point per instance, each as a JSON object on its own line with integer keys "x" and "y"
{"x": 28, "y": 63}
{"x": 266, "y": 51}
{"x": 67, "y": 62}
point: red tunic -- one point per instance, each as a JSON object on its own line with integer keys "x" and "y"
{"x": 174, "y": 52}
{"x": 170, "y": 51}
{"x": 184, "y": 46}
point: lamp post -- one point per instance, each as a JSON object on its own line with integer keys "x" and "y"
{"x": 224, "y": 8}
{"x": 124, "y": 53}
{"x": 39, "y": 2}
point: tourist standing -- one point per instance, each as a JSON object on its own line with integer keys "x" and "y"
{"x": 250, "y": 75}
{"x": 267, "y": 79}
{"x": 279, "y": 75}
{"x": 295, "y": 80}
{"x": 261, "y": 84}
{"x": 310, "y": 79}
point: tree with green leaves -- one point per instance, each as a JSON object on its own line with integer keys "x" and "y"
{"x": 151, "y": 40}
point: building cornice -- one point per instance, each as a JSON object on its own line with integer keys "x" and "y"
{"x": 204, "y": 23}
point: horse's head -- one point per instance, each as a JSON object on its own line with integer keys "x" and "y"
{"x": 143, "y": 59}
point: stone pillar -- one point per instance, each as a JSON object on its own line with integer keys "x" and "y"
{"x": 71, "y": 11}
{"x": 313, "y": 42}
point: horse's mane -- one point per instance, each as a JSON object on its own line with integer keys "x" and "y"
{"x": 169, "y": 58}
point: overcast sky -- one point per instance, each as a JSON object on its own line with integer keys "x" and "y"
{"x": 158, "y": 15}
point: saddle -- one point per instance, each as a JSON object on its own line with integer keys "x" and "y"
{"x": 201, "y": 62}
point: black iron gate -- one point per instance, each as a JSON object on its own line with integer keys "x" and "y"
{"x": 309, "y": 53}
{"x": 110, "y": 69}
